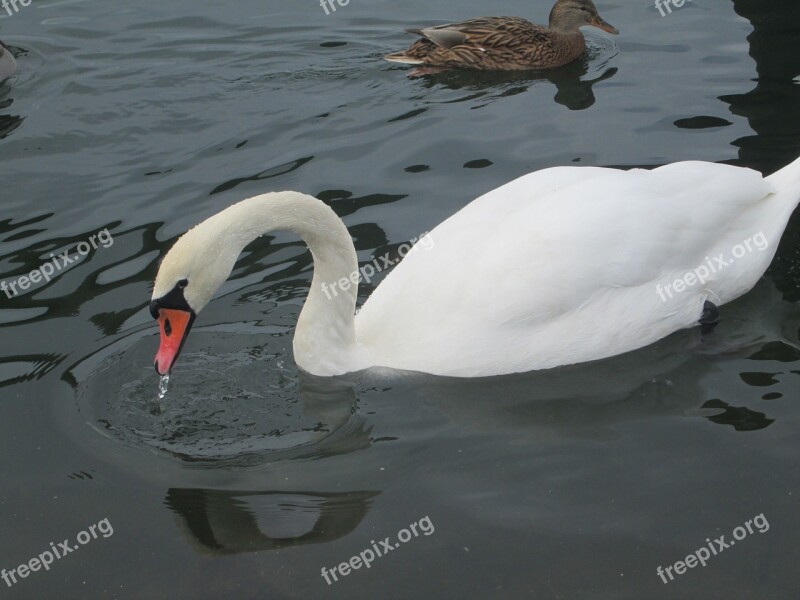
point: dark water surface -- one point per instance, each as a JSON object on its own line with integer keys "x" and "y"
{"x": 146, "y": 117}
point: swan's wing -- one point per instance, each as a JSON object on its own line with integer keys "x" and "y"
{"x": 535, "y": 256}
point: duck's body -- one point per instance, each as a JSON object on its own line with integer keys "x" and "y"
{"x": 505, "y": 43}
{"x": 557, "y": 267}
{"x": 8, "y": 64}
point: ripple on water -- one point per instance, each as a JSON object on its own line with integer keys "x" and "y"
{"x": 240, "y": 401}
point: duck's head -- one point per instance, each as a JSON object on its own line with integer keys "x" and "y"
{"x": 569, "y": 15}
{"x": 194, "y": 268}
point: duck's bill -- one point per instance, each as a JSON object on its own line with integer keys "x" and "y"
{"x": 174, "y": 325}
{"x": 600, "y": 23}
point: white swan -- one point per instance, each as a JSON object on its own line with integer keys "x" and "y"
{"x": 8, "y": 64}
{"x": 557, "y": 267}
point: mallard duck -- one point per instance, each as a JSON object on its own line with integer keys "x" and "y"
{"x": 560, "y": 266}
{"x": 8, "y": 65}
{"x": 506, "y": 43}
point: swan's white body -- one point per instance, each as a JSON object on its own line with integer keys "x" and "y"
{"x": 557, "y": 267}
{"x": 8, "y": 64}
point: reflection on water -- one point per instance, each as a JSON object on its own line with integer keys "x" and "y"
{"x": 574, "y": 88}
{"x": 592, "y": 401}
{"x": 8, "y": 122}
{"x": 255, "y": 410}
{"x": 147, "y": 118}
{"x": 740, "y": 418}
{"x": 17, "y": 369}
{"x": 775, "y": 140}
{"x": 218, "y": 522}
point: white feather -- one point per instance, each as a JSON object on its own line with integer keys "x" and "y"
{"x": 557, "y": 267}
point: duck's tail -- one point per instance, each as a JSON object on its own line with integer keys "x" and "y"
{"x": 402, "y": 57}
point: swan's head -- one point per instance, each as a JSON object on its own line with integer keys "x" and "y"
{"x": 194, "y": 268}
{"x": 203, "y": 258}
{"x": 569, "y": 15}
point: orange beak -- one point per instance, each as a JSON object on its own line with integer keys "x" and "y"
{"x": 174, "y": 325}
{"x": 600, "y": 23}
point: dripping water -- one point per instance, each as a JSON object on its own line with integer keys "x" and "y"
{"x": 157, "y": 407}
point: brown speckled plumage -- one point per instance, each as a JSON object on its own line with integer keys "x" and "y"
{"x": 506, "y": 43}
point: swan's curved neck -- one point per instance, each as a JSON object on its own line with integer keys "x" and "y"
{"x": 324, "y": 341}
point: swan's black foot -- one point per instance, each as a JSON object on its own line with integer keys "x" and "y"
{"x": 708, "y": 321}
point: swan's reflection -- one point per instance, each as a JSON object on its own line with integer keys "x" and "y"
{"x": 218, "y": 522}
{"x": 674, "y": 377}
{"x": 237, "y": 407}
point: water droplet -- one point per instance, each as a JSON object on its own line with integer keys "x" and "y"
{"x": 156, "y": 407}
{"x": 163, "y": 384}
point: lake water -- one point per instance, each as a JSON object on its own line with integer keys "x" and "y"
{"x": 144, "y": 118}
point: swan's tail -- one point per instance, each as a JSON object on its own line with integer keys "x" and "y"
{"x": 777, "y": 208}
{"x": 787, "y": 180}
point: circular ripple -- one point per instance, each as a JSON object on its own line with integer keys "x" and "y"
{"x": 239, "y": 401}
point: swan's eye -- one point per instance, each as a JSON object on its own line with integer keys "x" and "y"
{"x": 183, "y": 283}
